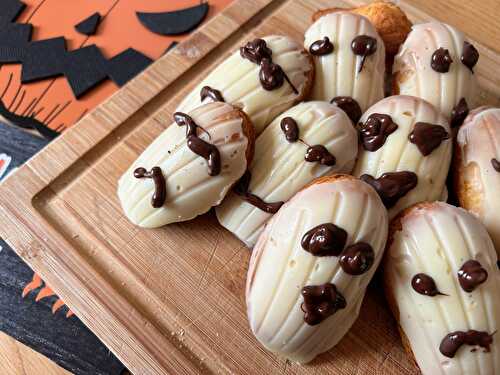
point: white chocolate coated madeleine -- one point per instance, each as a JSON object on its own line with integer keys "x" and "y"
{"x": 436, "y": 63}
{"x": 477, "y": 168}
{"x": 443, "y": 286}
{"x": 237, "y": 80}
{"x": 350, "y": 61}
{"x": 405, "y": 151}
{"x": 189, "y": 168}
{"x": 311, "y": 265}
{"x": 284, "y": 164}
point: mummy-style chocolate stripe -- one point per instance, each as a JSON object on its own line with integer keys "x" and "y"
{"x": 320, "y": 302}
{"x": 375, "y": 130}
{"x": 211, "y": 93}
{"x": 160, "y": 194}
{"x": 454, "y": 340}
{"x": 425, "y": 285}
{"x": 321, "y": 47}
{"x": 470, "y": 56}
{"x": 206, "y": 150}
{"x": 496, "y": 164}
{"x": 427, "y": 137}
{"x": 271, "y": 75}
{"x": 324, "y": 240}
{"x": 349, "y": 106}
{"x": 356, "y": 259}
{"x": 441, "y": 60}
{"x": 363, "y": 45}
{"x": 319, "y": 154}
{"x": 391, "y": 186}
{"x": 471, "y": 275}
{"x": 241, "y": 189}
{"x": 290, "y": 129}
{"x": 459, "y": 113}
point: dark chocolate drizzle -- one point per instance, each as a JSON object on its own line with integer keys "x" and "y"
{"x": 496, "y": 164}
{"x": 471, "y": 275}
{"x": 356, "y": 259}
{"x": 256, "y": 50}
{"x": 454, "y": 340}
{"x": 391, "y": 186}
{"x": 319, "y": 153}
{"x": 320, "y": 302}
{"x": 213, "y": 94}
{"x": 160, "y": 194}
{"x": 290, "y": 129}
{"x": 441, "y": 60}
{"x": 206, "y": 150}
{"x": 459, "y": 113}
{"x": 324, "y": 240}
{"x": 470, "y": 56}
{"x": 427, "y": 137}
{"x": 375, "y": 130}
{"x": 271, "y": 75}
{"x": 424, "y": 284}
{"x": 321, "y": 47}
{"x": 363, "y": 45}
{"x": 241, "y": 189}
{"x": 349, "y": 106}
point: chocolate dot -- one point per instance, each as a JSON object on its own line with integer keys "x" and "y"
{"x": 349, "y": 106}
{"x": 324, "y": 240}
{"x": 375, "y": 130}
{"x": 459, "y": 113}
{"x": 471, "y": 275}
{"x": 470, "y": 56}
{"x": 290, "y": 129}
{"x": 357, "y": 258}
{"x": 321, "y": 47}
{"x": 441, "y": 60}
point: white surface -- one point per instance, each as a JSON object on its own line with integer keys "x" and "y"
{"x": 238, "y": 81}
{"x": 280, "y": 267}
{"x": 337, "y": 73}
{"x": 438, "y": 240}
{"x": 417, "y": 78}
{"x": 399, "y": 154}
{"x": 190, "y": 189}
{"x": 279, "y": 169}
{"x": 479, "y": 142}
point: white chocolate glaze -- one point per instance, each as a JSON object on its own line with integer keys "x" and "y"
{"x": 415, "y": 76}
{"x": 280, "y": 267}
{"x": 337, "y": 73}
{"x": 437, "y": 239}
{"x": 238, "y": 81}
{"x": 399, "y": 154}
{"x": 478, "y": 142}
{"x": 279, "y": 169}
{"x": 190, "y": 189}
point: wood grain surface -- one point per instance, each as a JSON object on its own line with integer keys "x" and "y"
{"x": 171, "y": 300}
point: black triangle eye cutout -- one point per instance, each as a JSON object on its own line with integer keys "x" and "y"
{"x": 175, "y": 22}
{"x": 89, "y": 25}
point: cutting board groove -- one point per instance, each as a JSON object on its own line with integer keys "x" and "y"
{"x": 171, "y": 300}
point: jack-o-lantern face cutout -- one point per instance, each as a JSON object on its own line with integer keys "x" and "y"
{"x": 61, "y": 88}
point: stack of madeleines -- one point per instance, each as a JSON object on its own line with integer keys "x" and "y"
{"x": 327, "y": 166}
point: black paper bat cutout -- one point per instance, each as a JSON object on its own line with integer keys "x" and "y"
{"x": 176, "y": 22}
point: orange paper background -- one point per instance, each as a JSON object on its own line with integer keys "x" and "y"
{"x": 51, "y": 101}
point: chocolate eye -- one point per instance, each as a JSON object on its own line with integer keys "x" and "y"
{"x": 363, "y": 45}
{"x": 321, "y": 47}
{"x": 470, "y": 56}
{"x": 441, "y": 60}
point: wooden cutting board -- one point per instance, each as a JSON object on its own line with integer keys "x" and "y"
{"x": 171, "y": 300}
